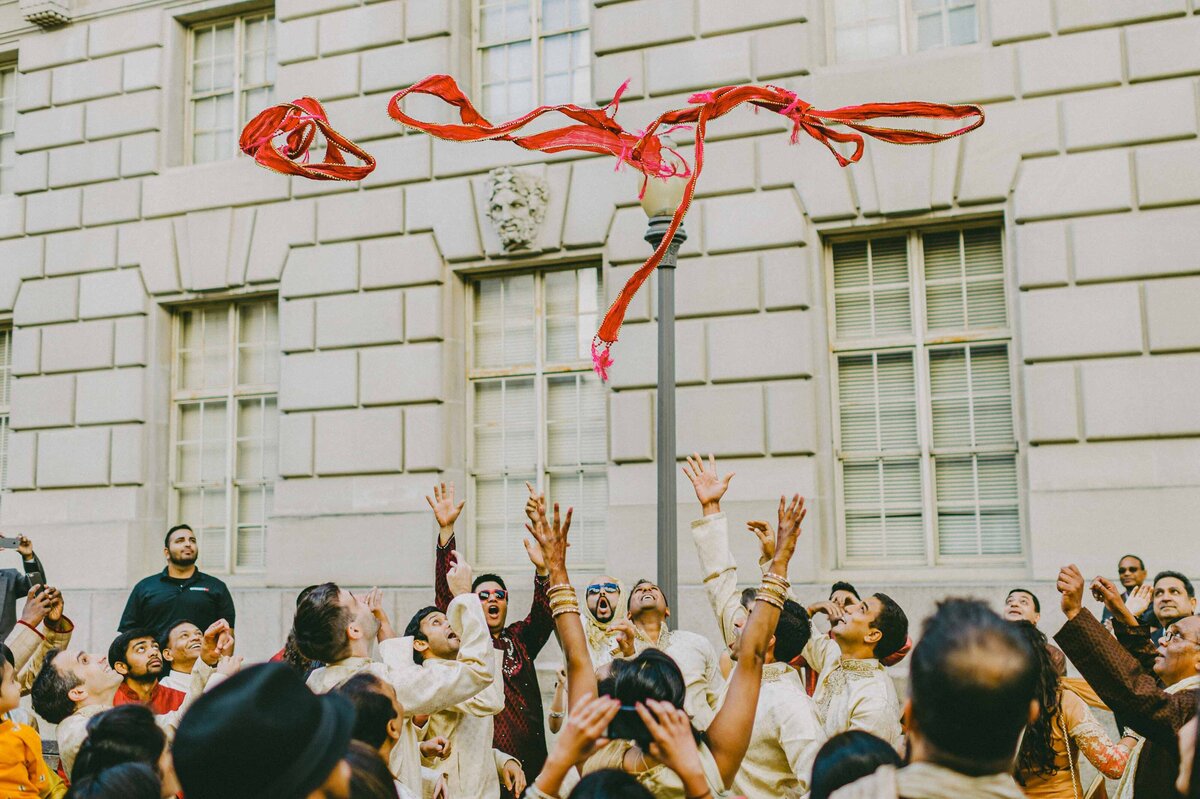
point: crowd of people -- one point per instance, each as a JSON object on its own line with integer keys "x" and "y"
{"x": 798, "y": 702}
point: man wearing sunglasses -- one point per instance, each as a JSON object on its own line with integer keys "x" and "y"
{"x": 603, "y": 601}
{"x": 520, "y": 728}
{"x": 1131, "y": 571}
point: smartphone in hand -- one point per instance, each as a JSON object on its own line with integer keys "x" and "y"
{"x": 9, "y": 543}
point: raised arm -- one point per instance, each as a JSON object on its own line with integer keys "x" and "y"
{"x": 711, "y": 536}
{"x": 534, "y": 630}
{"x": 445, "y": 512}
{"x": 1089, "y": 736}
{"x": 1116, "y": 676}
{"x": 551, "y": 537}
{"x": 421, "y": 690}
{"x": 729, "y": 733}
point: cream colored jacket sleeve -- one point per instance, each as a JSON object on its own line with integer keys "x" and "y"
{"x": 490, "y": 700}
{"x": 423, "y": 691}
{"x": 711, "y": 534}
{"x": 821, "y": 652}
{"x": 30, "y": 647}
{"x": 204, "y": 678}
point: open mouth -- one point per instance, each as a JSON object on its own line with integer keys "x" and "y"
{"x": 194, "y": 647}
{"x": 492, "y": 611}
{"x": 602, "y": 605}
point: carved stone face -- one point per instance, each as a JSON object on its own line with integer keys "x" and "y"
{"x": 516, "y": 206}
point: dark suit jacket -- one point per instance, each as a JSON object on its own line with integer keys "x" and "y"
{"x": 1126, "y": 685}
{"x": 15, "y": 585}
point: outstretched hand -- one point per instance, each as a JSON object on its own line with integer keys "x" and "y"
{"x": 217, "y": 642}
{"x": 709, "y": 487}
{"x": 551, "y": 537}
{"x": 791, "y": 514}
{"x": 1104, "y": 591}
{"x": 458, "y": 576}
{"x": 1140, "y": 599}
{"x": 38, "y": 603}
{"x": 674, "y": 744}
{"x": 445, "y": 510}
{"x": 535, "y": 509}
{"x": 766, "y": 539}
{"x": 583, "y": 733}
{"x": 1070, "y": 585}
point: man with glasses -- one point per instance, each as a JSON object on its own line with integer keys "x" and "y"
{"x": 603, "y": 619}
{"x": 1152, "y": 689}
{"x": 1131, "y": 571}
{"x": 520, "y": 728}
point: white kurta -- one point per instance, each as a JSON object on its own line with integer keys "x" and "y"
{"x": 472, "y": 769}
{"x": 179, "y": 680}
{"x": 421, "y": 690}
{"x": 786, "y": 733}
{"x": 853, "y": 694}
{"x": 701, "y": 669}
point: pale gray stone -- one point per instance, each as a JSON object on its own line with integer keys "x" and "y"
{"x": 1070, "y": 63}
{"x": 22, "y": 461}
{"x": 743, "y": 222}
{"x": 429, "y": 18}
{"x": 215, "y": 185}
{"x": 74, "y": 347}
{"x": 1171, "y": 314}
{"x": 129, "y": 341}
{"x": 1164, "y": 242}
{"x": 43, "y": 402}
{"x": 129, "y": 31}
{"x": 781, "y": 50}
{"x": 42, "y": 301}
{"x": 26, "y": 351}
{"x": 1168, "y": 174}
{"x": 73, "y": 458}
{"x": 1072, "y": 185}
{"x": 128, "y": 455}
{"x": 37, "y": 130}
{"x": 719, "y": 16}
{"x": 1051, "y": 402}
{"x": 81, "y": 251}
{"x": 354, "y": 320}
{"x": 142, "y": 70}
{"x": 328, "y": 269}
{"x": 1042, "y": 257}
{"x": 112, "y": 202}
{"x": 297, "y": 325}
{"x": 362, "y": 441}
{"x": 124, "y": 114}
{"x": 50, "y": 48}
{"x": 1163, "y": 49}
{"x": 1133, "y": 115}
{"x": 791, "y": 414}
{"x": 363, "y": 27}
{"x": 1020, "y": 19}
{"x": 400, "y": 261}
{"x": 309, "y": 381}
{"x": 624, "y": 26}
{"x": 409, "y": 373}
{"x": 390, "y": 68}
{"x": 33, "y": 90}
{"x": 1081, "y": 321}
{"x": 631, "y": 432}
{"x": 360, "y": 214}
{"x": 85, "y": 163}
{"x": 425, "y": 432}
{"x": 1136, "y": 397}
{"x": 297, "y": 41}
{"x": 31, "y": 173}
{"x": 760, "y": 346}
{"x": 423, "y": 314}
{"x": 296, "y": 444}
{"x": 1073, "y": 16}
{"x": 112, "y": 395}
{"x": 717, "y": 285}
{"x": 692, "y": 66}
{"x": 118, "y": 293}
{"x": 699, "y": 423}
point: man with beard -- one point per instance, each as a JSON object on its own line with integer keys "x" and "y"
{"x": 180, "y": 646}
{"x": 74, "y": 686}
{"x": 472, "y": 767}
{"x": 180, "y": 591}
{"x": 1174, "y": 599}
{"x": 520, "y": 729}
{"x": 786, "y": 733}
{"x": 602, "y": 618}
{"x": 136, "y": 657}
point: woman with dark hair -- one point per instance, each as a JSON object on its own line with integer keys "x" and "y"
{"x": 1188, "y": 782}
{"x": 641, "y": 699}
{"x": 846, "y": 757}
{"x": 126, "y": 734}
{"x": 369, "y": 775}
{"x": 124, "y": 781}
{"x": 1048, "y": 761}
{"x": 609, "y": 784}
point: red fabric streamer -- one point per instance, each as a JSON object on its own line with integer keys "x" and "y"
{"x": 299, "y": 122}
{"x": 597, "y": 131}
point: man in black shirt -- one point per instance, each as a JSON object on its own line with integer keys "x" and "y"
{"x": 180, "y": 591}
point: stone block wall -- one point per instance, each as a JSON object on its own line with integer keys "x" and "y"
{"x": 1087, "y": 158}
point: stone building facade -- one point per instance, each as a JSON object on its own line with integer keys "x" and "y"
{"x": 977, "y": 359}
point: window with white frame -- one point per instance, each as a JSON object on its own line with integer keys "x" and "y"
{"x": 531, "y": 53}
{"x": 5, "y": 389}
{"x": 225, "y": 429}
{"x": 8, "y": 123}
{"x": 926, "y": 447}
{"x": 538, "y": 412}
{"x": 231, "y": 77}
{"x": 865, "y": 29}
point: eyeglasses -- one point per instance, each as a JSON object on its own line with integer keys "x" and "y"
{"x": 486, "y": 594}
{"x": 608, "y": 588}
{"x": 1171, "y": 634}
{"x": 1128, "y": 569}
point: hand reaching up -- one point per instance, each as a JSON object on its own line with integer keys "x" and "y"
{"x": 791, "y": 514}
{"x": 674, "y": 744}
{"x": 535, "y": 504}
{"x": 551, "y": 536}
{"x": 1104, "y": 591}
{"x": 445, "y": 510}
{"x": 1139, "y": 599}
{"x": 709, "y": 487}
{"x": 584, "y": 731}
{"x": 211, "y": 647}
{"x": 1070, "y": 585}
{"x": 766, "y": 539}
{"x": 458, "y": 576}
{"x": 622, "y": 632}
{"x": 37, "y": 605}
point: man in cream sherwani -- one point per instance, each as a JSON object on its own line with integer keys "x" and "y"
{"x": 337, "y": 628}
{"x": 787, "y": 732}
{"x": 473, "y": 768}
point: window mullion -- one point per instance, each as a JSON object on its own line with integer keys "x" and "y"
{"x": 541, "y": 436}
{"x": 535, "y": 52}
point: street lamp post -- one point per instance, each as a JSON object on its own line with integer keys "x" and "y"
{"x": 659, "y": 201}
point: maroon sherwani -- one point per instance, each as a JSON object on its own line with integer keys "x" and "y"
{"x": 519, "y": 728}
{"x": 1121, "y": 679}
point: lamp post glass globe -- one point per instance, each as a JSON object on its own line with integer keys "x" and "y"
{"x": 663, "y": 195}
